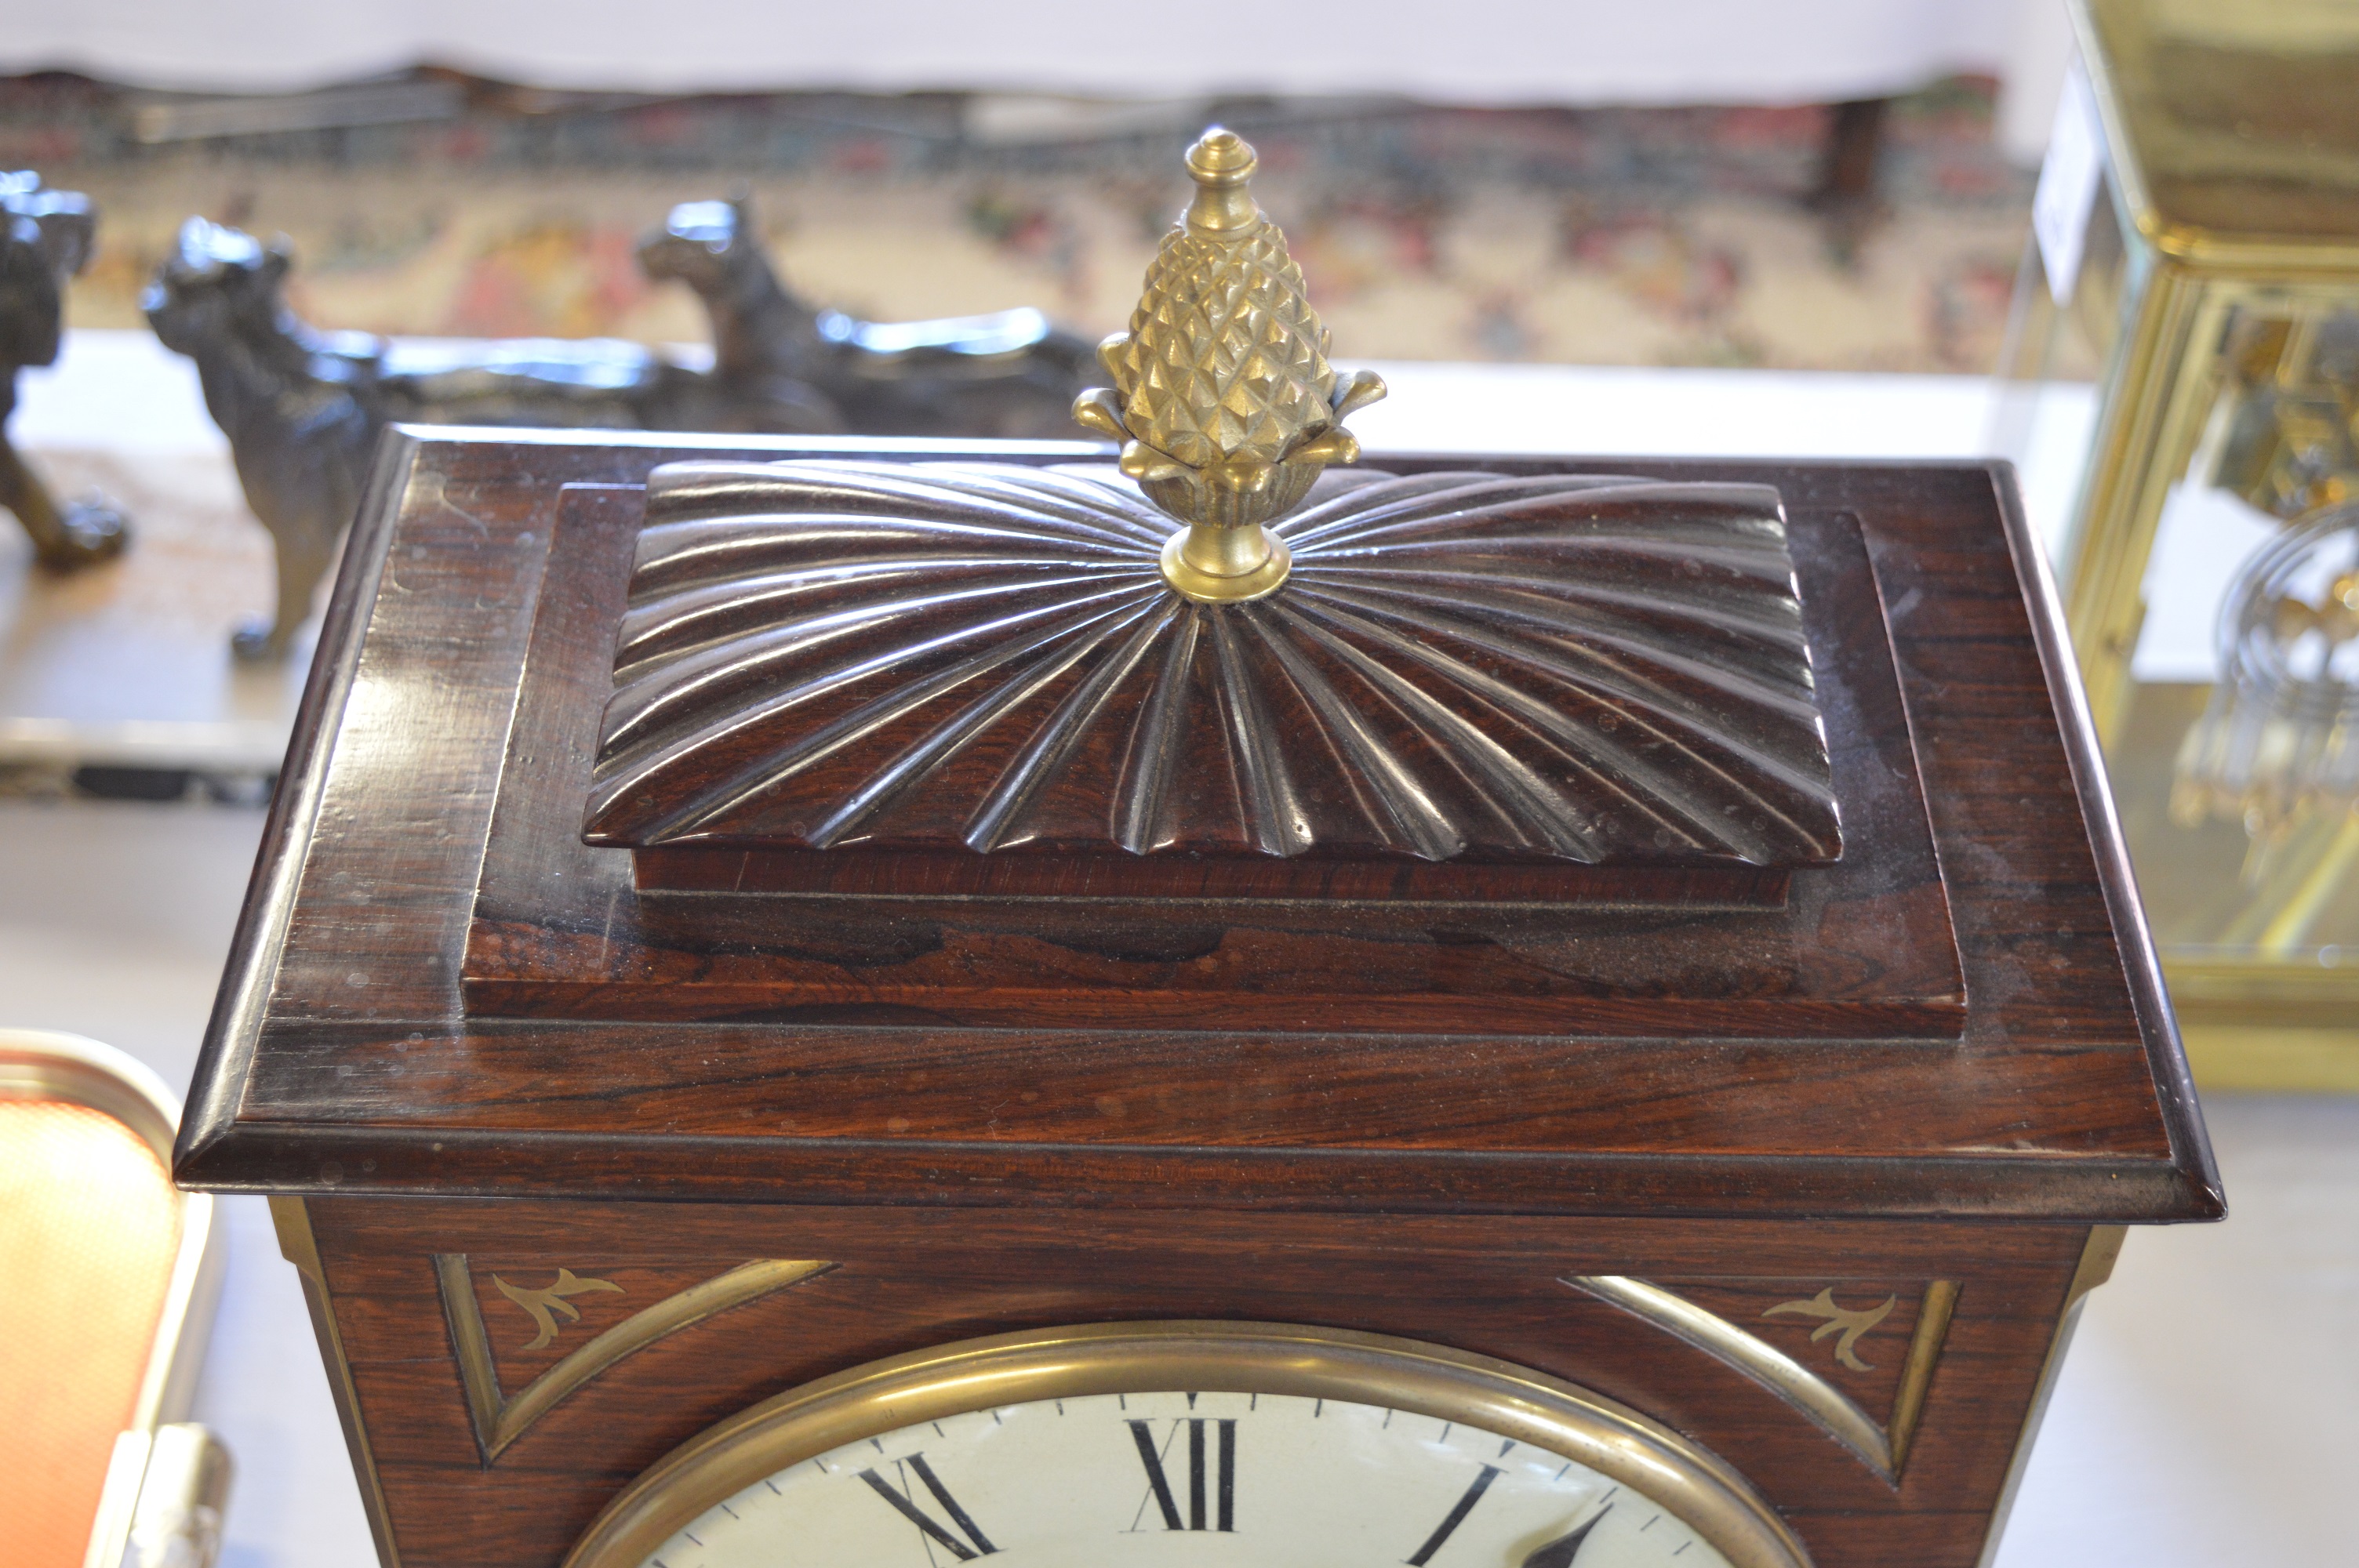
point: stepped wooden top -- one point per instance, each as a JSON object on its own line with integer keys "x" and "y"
{"x": 440, "y": 986}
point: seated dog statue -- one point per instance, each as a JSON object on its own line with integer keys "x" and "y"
{"x": 46, "y": 237}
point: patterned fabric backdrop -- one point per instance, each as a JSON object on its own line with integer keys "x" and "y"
{"x": 1672, "y": 237}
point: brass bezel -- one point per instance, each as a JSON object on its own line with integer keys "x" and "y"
{"x": 1207, "y": 1357}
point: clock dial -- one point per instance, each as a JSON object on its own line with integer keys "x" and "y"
{"x": 1177, "y": 1479}
{"x": 1292, "y": 1446}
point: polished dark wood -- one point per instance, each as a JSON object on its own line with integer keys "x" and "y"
{"x": 1401, "y": 1095}
{"x": 919, "y": 873}
{"x": 344, "y": 1054}
{"x": 909, "y": 1277}
{"x": 1463, "y": 667}
{"x": 1229, "y": 938}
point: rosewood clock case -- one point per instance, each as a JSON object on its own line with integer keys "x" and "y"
{"x": 598, "y": 1101}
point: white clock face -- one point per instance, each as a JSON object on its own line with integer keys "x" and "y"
{"x": 1176, "y": 1480}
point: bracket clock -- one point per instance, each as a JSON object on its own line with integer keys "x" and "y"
{"x": 829, "y": 1001}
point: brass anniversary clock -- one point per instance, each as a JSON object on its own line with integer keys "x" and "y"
{"x": 1206, "y": 1003}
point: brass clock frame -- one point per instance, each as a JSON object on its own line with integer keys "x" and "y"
{"x": 974, "y": 1375}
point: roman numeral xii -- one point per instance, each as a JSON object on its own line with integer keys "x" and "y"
{"x": 1222, "y": 1475}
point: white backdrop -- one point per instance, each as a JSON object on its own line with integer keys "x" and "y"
{"x": 1571, "y": 51}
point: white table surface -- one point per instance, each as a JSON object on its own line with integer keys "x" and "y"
{"x": 2210, "y": 1404}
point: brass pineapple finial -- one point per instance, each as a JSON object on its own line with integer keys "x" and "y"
{"x": 1222, "y": 397}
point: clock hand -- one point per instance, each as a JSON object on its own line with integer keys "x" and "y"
{"x": 1559, "y": 1552}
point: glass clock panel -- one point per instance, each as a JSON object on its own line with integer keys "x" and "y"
{"x": 2198, "y": 238}
{"x": 1177, "y": 1479}
{"x": 2233, "y": 748}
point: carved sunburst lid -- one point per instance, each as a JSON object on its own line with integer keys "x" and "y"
{"x": 1467, "y": 665}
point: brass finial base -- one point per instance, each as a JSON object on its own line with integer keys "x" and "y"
{"x": 1216, "y": 565}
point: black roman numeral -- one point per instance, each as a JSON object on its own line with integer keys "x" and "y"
{"x": 1464, "y": 1506}
{"x": 1224, "y": 1480}
{"x": 962, "y": 1549}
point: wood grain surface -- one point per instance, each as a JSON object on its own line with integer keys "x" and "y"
{"x": 343, "y": 1055}
{"x": 1413, "y": 1111}
{"x": 563, "y": 929}
{"x": 906, "y": 1279}
{"x": 1461, "y": 666}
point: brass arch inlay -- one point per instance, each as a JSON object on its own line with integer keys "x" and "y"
{"x": 1882, "y": 1446}
{"x": 499, "y": 1419}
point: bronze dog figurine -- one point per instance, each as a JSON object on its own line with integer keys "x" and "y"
{"x": 303, "y": 408}
{"x": 46, "y": 237}
{"x": 1008, "y": 373}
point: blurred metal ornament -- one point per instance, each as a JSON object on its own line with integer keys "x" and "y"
{"x": 177, "y": 1521}
{"x": 1223, "y": 398}
{"x": 297, "y": 404}
{"x": 2291, "y": 392}
{"x": 784, "y": 365}
{"x": 2277, "y": 747}
{"x": 46, "y": 237}
{"x": 114, "y": 1277}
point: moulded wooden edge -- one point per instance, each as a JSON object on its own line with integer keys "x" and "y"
{"x": 697, "y": 869}
{"x": 2182, "y": 1113}
{"x": 494, "y": 984}
{"x": 234, "y": 1029}
{"x": 235, "y": 1025}
{"x": 412, "y": 1162}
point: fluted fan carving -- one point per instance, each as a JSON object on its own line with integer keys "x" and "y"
{"x": 823, "y": 654}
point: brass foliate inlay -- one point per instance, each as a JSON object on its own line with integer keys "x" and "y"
{"x": 1847, "y": 1324}
{"x": 1223, "y": 398}
{"x": 545, "y": 1305}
